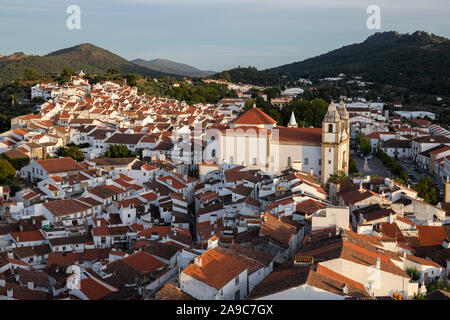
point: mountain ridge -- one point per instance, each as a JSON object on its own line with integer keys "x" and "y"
{"x": 418, "y": 61}
{"x": 173, "y": 67}
{"x": 85, "y": 56}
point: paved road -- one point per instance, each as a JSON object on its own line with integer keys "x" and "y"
{"x": 417, "y": 175}
{"x": 410, "y": 171}
{"x": 376, "y": 167}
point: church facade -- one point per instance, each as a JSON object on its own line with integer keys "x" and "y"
{"x": 255, "y": 140}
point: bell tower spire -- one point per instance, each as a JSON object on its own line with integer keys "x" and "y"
{"x": 292, "y": 122}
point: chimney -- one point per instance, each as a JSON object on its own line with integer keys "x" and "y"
{"x": 360, "y": 186}
{"x": 31, "y": 285}
{"x": 10, "y": 293}
{"x": 198, "y": 261}
{"x": 99, "y": 223}
{"x": 312, "y": 171}
{"x": 330, "y": 234}
{"x": 378, "y": 263}
{"x": 2, "y": 281}
{"x": 11, "y": 254}
{"x": 345, "y": 289}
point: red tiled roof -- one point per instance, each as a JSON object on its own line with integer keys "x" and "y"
{"x": 65, "y": 207}
{"x": 94, "y": 289}
{"x": 58, "y": 165}
{"x": 336, "y": 276}
{"x": 169, "y": 180}
{"x": 431, "y": 235}
{"x": 149, "y": 196}
{"x": 217, "y": 268}
{"x": 25, "y": 236}
{"x": 128, "y": 202}
{"x": 254, "y": 116}
{"x": 294, "y": 135}
{"x": 143, "y": 262}
{"x": 161, "y": 230}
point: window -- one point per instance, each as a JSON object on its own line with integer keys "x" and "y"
{"x": 254, "y": 161}
{"x": 306, "y": 161}
{"x": 289, "y": 161}
{"x": 330, "y": 128}
{"x": 329, "y": 161}
{"x": 237, "y": 295}
{"x": 231, "y": 159}
{"x": 320, "y": 162}
{"x": 236, "y": 280}
{"x": 213, "y": 153}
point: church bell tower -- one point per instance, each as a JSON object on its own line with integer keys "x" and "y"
{"x": 335, "y": 140}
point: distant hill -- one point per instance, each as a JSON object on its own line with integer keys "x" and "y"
{"x": 172, "y": 67}
{"x": 418, "y": 61}
{"x": 86, "y": 57}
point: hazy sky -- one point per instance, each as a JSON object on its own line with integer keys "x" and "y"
{"x": 211, "y": 34}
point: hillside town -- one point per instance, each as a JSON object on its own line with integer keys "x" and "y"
{"x": 172, "y": 201}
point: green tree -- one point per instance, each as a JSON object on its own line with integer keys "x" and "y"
{"x": 132, "y": 79}
{"x": 7, "y": 172}
{"x": 271, "y": 92}
{"x": 113, "y": 71}
{"x": 249, "y": 104}
{"x": 419, "y": 296}
{"x": 74, "y": 152}
{"x": 118, "y": 151}
{"x": 438, "y": 285}
{"x": 352, "y": 167}
{"x": 68, "y": 72}
{"x": 30, "y": 74}
{"x": 413, "y": 273}
{"x": 17, "y": 163}
{"x": 364, "y": 145}
{"x": 427, "y": 190}
{"x": 66, "y": 75}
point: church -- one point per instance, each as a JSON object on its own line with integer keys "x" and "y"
{"x": 255, "y": 140}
